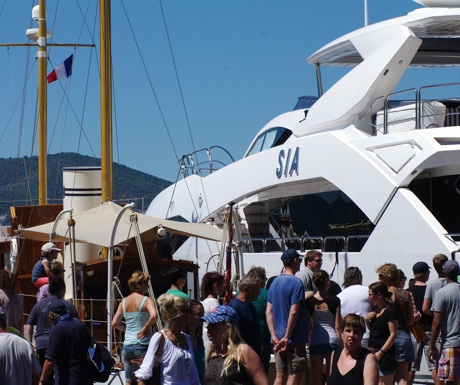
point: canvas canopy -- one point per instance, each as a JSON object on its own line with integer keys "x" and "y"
{"x": 95, "y": 226}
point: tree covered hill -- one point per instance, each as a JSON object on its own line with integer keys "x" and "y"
{"x": 19, "y": 181}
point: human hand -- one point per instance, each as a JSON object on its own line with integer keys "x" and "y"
{"x": 379, "y": 355}
{"x": 431, "y": 355}
{"x": 142, "y": 333}
{"x": 281, "y": 345}
{"x": 371, "y": 315}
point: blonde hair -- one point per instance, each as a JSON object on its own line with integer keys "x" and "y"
{"x": 171, "y": 306}
{"x": 231, "y": 339}
{"x": 136, "y": 280}
{"x": 389, "y": 271}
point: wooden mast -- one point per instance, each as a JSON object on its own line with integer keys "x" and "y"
{"x": 43, "y": 100}
{"x": 106, "y": 100}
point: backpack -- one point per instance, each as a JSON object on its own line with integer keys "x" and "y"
{"x": 100, "y": 362}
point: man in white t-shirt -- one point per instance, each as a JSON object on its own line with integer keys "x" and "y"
{"x": 18, "y": 364}
{"x": 354, "y": 298}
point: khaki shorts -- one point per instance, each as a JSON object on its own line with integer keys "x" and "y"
{"x": 293, "y": 360}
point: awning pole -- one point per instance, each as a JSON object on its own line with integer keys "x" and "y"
{"x": 110, "y": 276}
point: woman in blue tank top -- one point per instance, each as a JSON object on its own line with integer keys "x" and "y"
{"x": 139, "y": 313}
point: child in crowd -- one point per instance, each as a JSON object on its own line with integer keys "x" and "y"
{"x": 42, "y": 269}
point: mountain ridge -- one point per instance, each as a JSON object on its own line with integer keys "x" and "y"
{"x": 19, "y": 181}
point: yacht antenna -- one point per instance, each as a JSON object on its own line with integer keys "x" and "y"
{"x": 366, "y": 14}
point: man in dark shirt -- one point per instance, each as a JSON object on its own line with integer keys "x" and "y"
{"x": 421, "y": 272}
{"x": 67, "y": 350}
{"x": 249, "y": 323}
{"x": 39, "y": 317}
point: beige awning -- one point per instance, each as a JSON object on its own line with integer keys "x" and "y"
{"x": 95, "y": 226}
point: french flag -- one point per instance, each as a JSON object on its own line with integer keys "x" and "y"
{"x": 63, "y": 70}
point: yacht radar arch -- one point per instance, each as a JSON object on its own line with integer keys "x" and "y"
{"x": 439, "y": 3}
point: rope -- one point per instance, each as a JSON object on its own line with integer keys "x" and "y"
{"x": 123, "y": 257}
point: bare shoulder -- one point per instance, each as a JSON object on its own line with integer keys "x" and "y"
{"x": 370, "y": 358}
{"x": 247, "y": 353}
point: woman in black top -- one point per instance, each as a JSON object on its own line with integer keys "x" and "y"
{"x": 383, "y": 327}
{"x": 402, "y": 302}
{"x": 352, "y": 364}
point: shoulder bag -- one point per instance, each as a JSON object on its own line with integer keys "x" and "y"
{"x": 416, "y": 328}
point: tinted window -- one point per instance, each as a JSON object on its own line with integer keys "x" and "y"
{"x": 268, "y": 139}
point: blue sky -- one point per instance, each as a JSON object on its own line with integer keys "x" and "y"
{"x": 240, "y": 63}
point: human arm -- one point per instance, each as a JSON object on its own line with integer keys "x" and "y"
{"x": 146, "y": 368}
{"x": 338, "y": 321}
{"x": 426, "y": 307}
{"x": 410, "y": 312}
{"x": 435, "y": 329}
{"x": 118, "y": 318}
{"x": 292, "y": 321}
{"x": 271, "y": 323}
{"x": 393, "y": 328}
{"x": 371, "y": 370}
{"x": 253, "y": 365}
{"x": 150, "y": 305}
{"x": 415, "y": 311}
{"x": 47, "y": 369}
{"x": 309, "y": 326}
{"x": 28, "y": 333}
{"x": 46, "y": 265}
{"x": 331, "y": 360}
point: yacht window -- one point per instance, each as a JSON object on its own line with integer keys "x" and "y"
{"x": 305, "y": 102}
{"x": 269, "y": 139}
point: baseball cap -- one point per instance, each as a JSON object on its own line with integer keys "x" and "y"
{"x": 420, "y": 267}
{"x": 290, "y": 254}
{"x": 451, "y": 268}
{"x": 47, "y": 247}
{"x": 57, "y": 306}
{"x": 222, "y": 313}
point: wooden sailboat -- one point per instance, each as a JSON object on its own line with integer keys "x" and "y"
{"x": 92, "y": 275}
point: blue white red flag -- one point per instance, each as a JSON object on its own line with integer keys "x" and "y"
{"x": 63, "y": 70}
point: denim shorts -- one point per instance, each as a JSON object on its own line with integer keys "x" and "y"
{"x": 404, "y": 347}
{"x": 129, "y": 353}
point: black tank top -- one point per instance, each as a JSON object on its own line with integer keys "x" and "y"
{"x": 353, "y": 376}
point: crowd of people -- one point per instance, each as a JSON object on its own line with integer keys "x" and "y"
{"x": 315, "y": 331}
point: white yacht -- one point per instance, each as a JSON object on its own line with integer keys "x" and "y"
{"x": 366, "y": 172}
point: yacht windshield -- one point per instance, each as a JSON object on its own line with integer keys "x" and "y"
{"x": 270, "y": 138}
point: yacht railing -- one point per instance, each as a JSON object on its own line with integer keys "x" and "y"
{"x": 418, "y": 111}
{"x": 90, "y": 313}
{"x": 201, "y": 162}
{"x": 351, "y": 243}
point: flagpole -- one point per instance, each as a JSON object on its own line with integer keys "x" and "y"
{"x": 228, "y": 257}
{"x": 42, "y": 105}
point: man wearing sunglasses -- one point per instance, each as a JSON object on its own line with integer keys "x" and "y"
{"x": 313, "y": 262}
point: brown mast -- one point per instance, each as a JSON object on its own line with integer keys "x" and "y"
{"x": 106, "y": 101}
{"x": 43, "y": 101}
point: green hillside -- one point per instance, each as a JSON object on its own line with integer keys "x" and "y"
{"x": 19, "y": 185}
